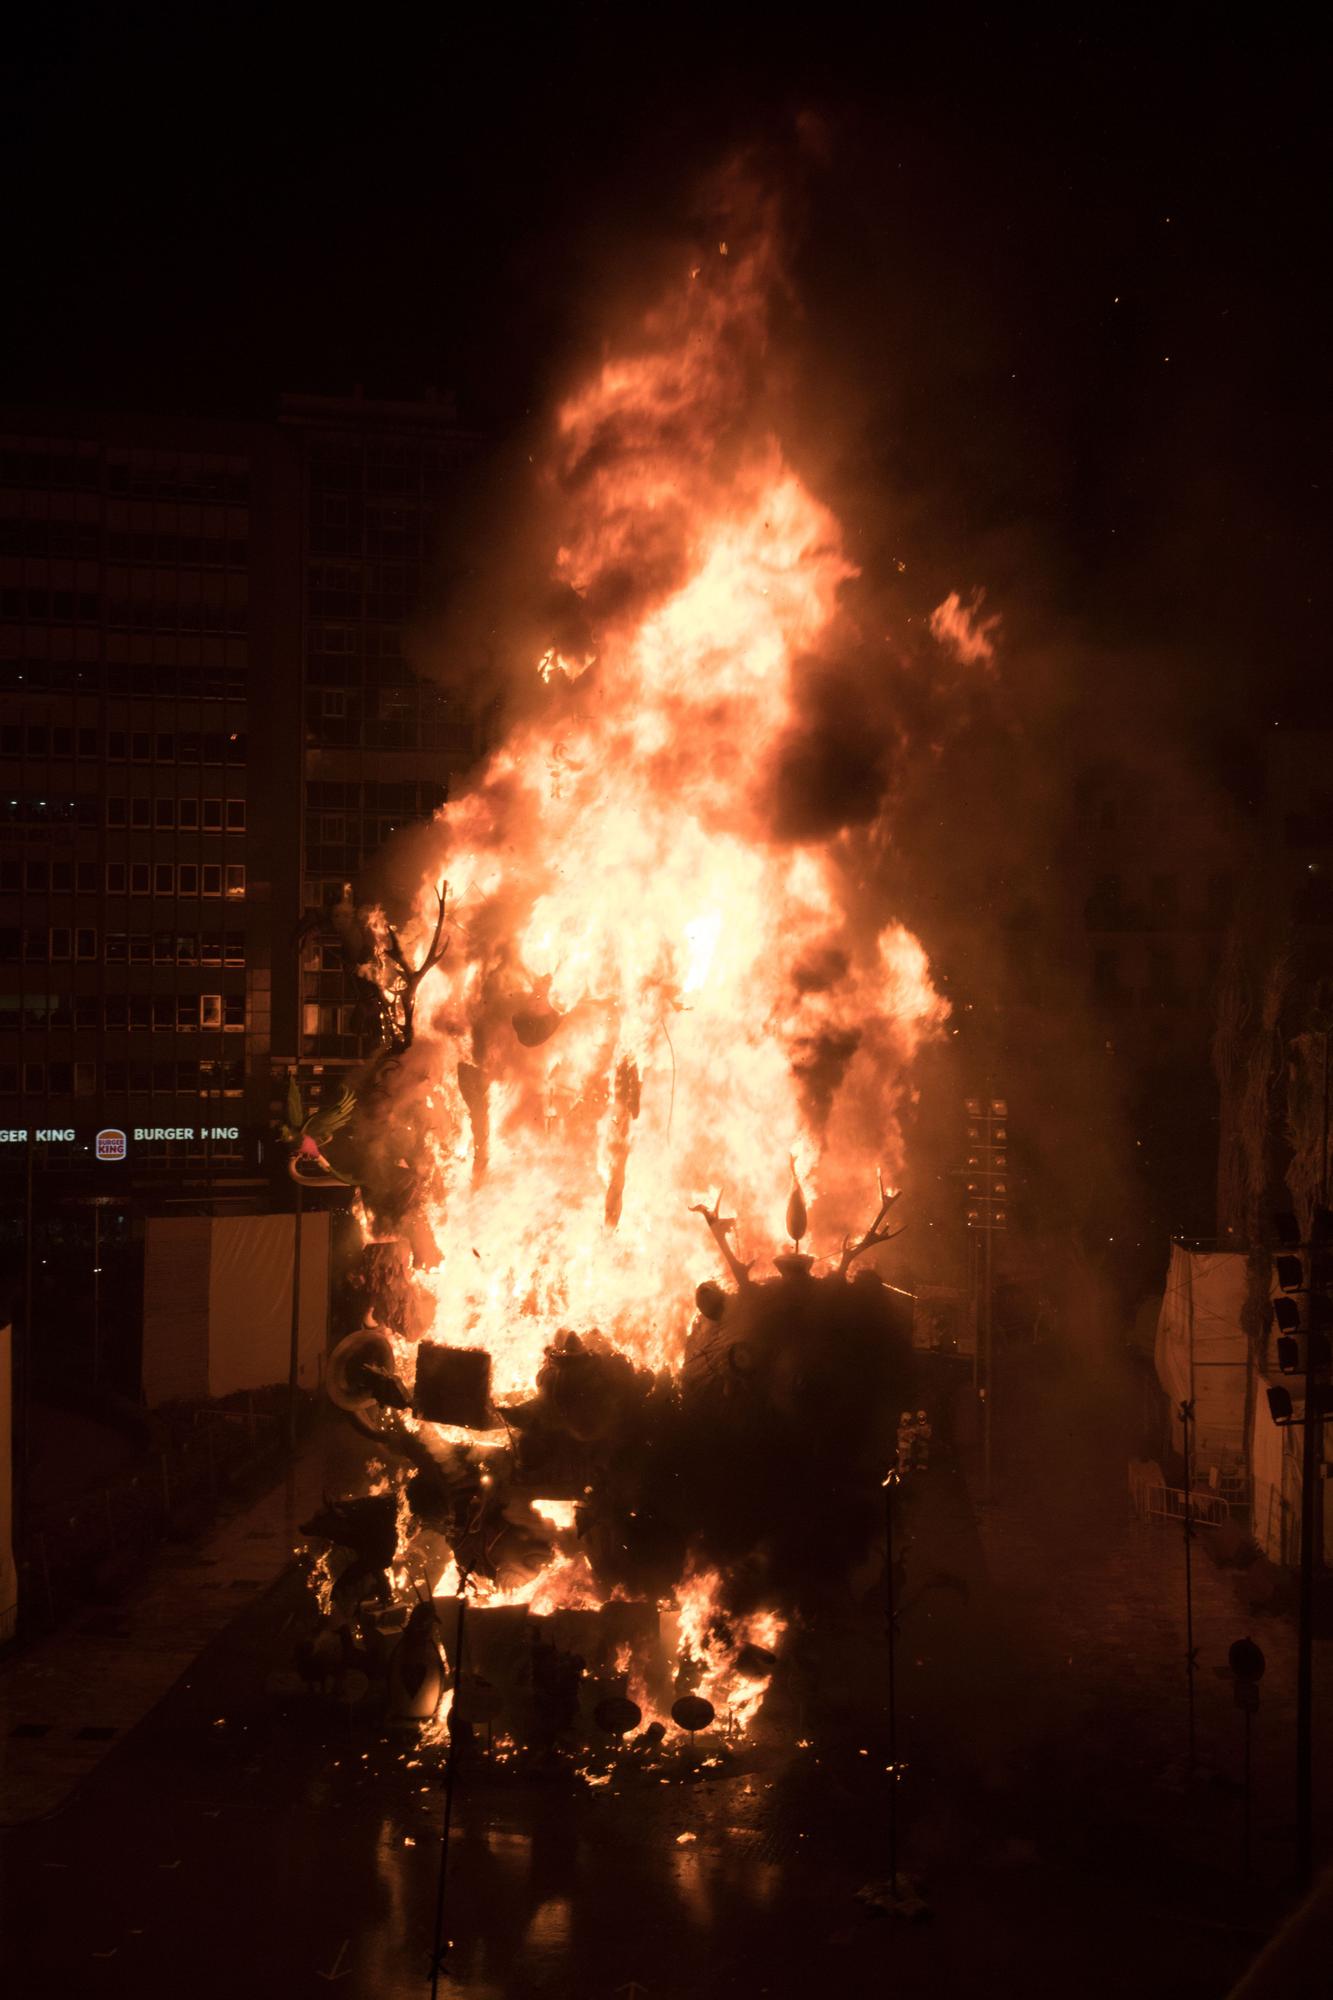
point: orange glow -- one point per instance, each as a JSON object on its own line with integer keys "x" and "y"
{"x": 637, "y": 969}
{"x": 642, "y": 978}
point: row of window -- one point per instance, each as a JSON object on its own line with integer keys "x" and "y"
{"x": 323, "y": 1020}
{"x": 406, "y": 798}
{"x": 339, "y": 830}
{"x": 59, "y": 943}
{"x": 192, "y": 611}
{"x": 190, "y": 815}
{"x": 125, "y": 878}
{"x": 78, "y": 467}
{"x": 124, "y": 1013}
{"x": 189, "y": 677}
{"x": 91, "y": 878}
{"x": 69, "y": 541}
{"x": 138, "y": 1079}
{"x": 124, "y": 746}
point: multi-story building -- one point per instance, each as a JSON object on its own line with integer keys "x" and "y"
{"x": 376, "y": 743}
{"x": 206, "y": 727}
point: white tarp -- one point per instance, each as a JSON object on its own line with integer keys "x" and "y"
{"x": 218, "y": 1303}
{"x": 1202, "y": 1353}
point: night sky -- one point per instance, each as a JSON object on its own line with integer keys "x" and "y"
{"x": 1070, "y": 285}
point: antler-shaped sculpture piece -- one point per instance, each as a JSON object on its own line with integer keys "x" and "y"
{"x": 876, "y": 1234}
{"x": 402, "y": 999}
{"x": 720, "y": 1227}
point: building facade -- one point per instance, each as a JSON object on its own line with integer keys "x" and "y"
{"x": 207, "y": 726}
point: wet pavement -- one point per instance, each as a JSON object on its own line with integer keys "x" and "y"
{"x": 239, "y": 1840}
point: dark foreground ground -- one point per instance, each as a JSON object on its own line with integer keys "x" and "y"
{"x": 226, "y": 1847}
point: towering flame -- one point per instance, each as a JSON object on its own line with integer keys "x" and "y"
{"x": 649, "y": 997}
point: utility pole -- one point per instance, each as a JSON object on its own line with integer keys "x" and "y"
{"x": 294, "y": 1353}
{"x": 987, "y": 1211}
{"x": 1303, "y": 1314}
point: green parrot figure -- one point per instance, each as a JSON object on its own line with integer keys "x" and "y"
{"x": 307, "y": 1134}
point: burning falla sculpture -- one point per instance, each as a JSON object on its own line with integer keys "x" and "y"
{"x": 639, "y": 979}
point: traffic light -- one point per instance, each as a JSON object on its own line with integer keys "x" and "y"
{"x": 987, "y": 1170}
{"x": 1303, "y": 1307}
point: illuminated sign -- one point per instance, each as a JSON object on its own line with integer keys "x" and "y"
{"x": 111, "y": 1143}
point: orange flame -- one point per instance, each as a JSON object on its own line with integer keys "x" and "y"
{"x": 640, "y": 975}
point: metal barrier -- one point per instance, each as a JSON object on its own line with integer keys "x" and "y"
{"x": 1167, "y": 1503}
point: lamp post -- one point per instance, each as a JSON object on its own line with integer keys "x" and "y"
{"x": 891, "y": 1483}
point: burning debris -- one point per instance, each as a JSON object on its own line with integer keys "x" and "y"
{"x": 638, "y": 983}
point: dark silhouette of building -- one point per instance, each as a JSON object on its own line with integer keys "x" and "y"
{"x": 207, "y": 725}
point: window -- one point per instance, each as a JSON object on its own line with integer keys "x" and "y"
{"x": 141, "y": 948}
{"x": 164, "y": 948}
{"x": 116, "y": 1011}
{"x": 116, "y": 811}
{"x": 164, "y": 878}
{"x": 141, "y": 1012}
{"x": 117, "y": 948}
{"x": 11, "y": 874}
{"x": 141, "y": 1079}
{"x": 187, "y": 748}
{"x": 139, "y": 878}
{"x": 9, "y": 1078}
{"x": 37, "y": 739}
{"x": 211, "y": 876}
{"x": 61, "y": 943}
{"x": 164, "y": 813}
{"x": 164, "y": 1078}
{"x": 115, "y": 746}
{"x": 333, "y": 703}
{"x": 163, "y": 1010}
{"x": 85, "y": 875}
{"x": 116, "y": 875}
{"x": 141, "y": 746}
{"x": 187, "y": 949}
{"x": 233, "y": 944}
{"x": 212, "y": 815}
{"x": 62, "y": 877}
{"x": 210, "y": 950}
{"x": 210, "y": 1010}
{"x": 62, "y": 742}
{"x": 37, "y": 876}
{"x": 34, "y": 1078}
{"x": 85, "y": 944}
{"x": 236, "y": 815}
{"x": 116, "y": 1076}
{"x": 85, "y": 1079}
{"x": 187, "y": 1076}
{"x": 235, "y": 878}
{"x": 233, "y": 1011}
{"x": 330, "y": 957}
{"x": 141, "y": 813}
{"x": 187, "y": 814}
{"x": 87, "y": 742}
{"x": 36, "y": 946}
{"x": 185, "y": 1010}
{"x": 187, "y": 879}
{"x": 87, "y": 1011}
{"x": 213, "y": 746}
{"x": 60, "y": 1078}
{"x": 166, "y": 749}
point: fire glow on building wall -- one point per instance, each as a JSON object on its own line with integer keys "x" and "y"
{"x": 647, "y": 1007}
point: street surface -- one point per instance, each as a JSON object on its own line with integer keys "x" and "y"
{"x": 232, "y": 1843}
